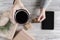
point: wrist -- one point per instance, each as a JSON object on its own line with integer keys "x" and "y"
{"x": 42, "y": 10}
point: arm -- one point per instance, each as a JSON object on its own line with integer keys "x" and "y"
{"x": 43, "y": 5}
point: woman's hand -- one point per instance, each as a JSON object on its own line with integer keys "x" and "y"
{"x": 16, "y": 6}
{"x": 42, "y": 15}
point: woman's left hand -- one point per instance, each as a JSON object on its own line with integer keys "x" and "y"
{"x": 41, "y": 16}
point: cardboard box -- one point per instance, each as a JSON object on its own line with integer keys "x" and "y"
{"x": 23, "y": 35}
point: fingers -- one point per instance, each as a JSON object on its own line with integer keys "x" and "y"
{"x": 41, "y": 17}
{"x": 16, "y": 6}
{"x": 19, "y": 6}
{"x": 18, "y": 3}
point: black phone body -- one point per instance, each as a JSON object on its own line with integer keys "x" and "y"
{"x": 48, "y": 23}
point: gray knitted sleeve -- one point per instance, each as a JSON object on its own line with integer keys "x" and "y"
{"x": 44, "y": 3}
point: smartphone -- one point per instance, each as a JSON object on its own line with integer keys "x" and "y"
{"x": 48, "y": 23}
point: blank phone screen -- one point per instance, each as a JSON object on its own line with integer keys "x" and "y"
{"x": 48, "y": 23}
